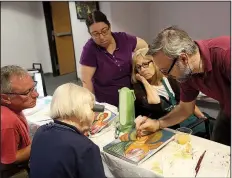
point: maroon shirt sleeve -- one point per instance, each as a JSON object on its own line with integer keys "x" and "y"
{"x": 88, "y": 57}
{"x": 227, "y": 64}
{"x": 187, "y": 93}
{"x": 223, "y": 56}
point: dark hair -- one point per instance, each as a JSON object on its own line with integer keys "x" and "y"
{"x": 96, "y": 16}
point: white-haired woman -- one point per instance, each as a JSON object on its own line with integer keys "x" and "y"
{"x": 61, "y": 149}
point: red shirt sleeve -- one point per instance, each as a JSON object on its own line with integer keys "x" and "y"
{"x": 187, "y": 93}
{"x": 9, "y": 140}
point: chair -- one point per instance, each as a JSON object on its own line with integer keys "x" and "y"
{"x": 22, "y": 174}
{"x": 200, "y": 127}
{"x": 38, "y": 75}
{"x": 14, "y": 170}
{"x": 207, "y": 122}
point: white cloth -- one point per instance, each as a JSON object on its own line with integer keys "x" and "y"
{"x": 116, "y": 167}
{"x": 162, "y": 91}
{"x": 217, "y": 157}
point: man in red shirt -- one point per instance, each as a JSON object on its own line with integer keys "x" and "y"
{"x": 17, "y": 93}
{"x": 203, "y": 65}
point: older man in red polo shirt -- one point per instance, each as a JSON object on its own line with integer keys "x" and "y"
{"x": 203, "y": 65}
{"x": 17, "y": 93}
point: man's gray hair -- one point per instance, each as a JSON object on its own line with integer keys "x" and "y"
{"x": 172, "y": 41}
{"x": 6, "y": 73}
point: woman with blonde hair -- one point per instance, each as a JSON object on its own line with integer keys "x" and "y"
{"x": 152, "y": 89}
{"x": 61, "y": 149}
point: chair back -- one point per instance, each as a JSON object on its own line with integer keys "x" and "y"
{"x": 37, "y": 74}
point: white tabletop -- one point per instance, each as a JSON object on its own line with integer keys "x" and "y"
{"x": 38, "y": 115}
{"x": 216, "y": 162}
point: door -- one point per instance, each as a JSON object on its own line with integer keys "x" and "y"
{"x": 62, "y": 34}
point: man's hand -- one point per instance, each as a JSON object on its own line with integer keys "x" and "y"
{"x": 23, "y": 154}
{"x": 144, "y": 124}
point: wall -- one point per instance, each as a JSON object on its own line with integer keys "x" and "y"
{"x": 199, "y": 19}
{"x": 41, "y": 39}
{"x": 80, "y": 34}
{"x": 131, "y": 17}
{"x": 23, "y": 35}
{"x": 120, "y": 15}
{"x": 146, "y": 19}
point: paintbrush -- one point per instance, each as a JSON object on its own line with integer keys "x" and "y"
{"x": 138, "y": 132}
{"x": 199, "y": 163}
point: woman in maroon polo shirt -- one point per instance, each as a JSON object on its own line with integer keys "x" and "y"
{"x": 106, "y": 60}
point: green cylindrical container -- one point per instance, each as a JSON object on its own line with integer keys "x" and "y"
{"x": 126, "y": 109}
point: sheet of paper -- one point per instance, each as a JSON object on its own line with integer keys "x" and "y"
{"x": 178, "y": 167}
{"x": 38, "y": 118}
{"x": 41, "y": 103}
{"x": 215, "y": 164}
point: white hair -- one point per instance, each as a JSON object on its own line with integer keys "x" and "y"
{"x": 6, "y": 73}
{"x": 172, "y": 42}
{"x": 70, "y": 100}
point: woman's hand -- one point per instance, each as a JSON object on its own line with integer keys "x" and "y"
{"x": 140, "y": 78}
{"x": 152, "y": 95}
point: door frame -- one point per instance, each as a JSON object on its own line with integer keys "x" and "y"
{"x": 51, "y": 39}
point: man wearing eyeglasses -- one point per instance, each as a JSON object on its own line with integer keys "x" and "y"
{"x": 17, "y": 93}
{"x": 203, "y": 65}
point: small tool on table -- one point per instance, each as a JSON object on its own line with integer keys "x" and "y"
{"x": 199, "y": 163}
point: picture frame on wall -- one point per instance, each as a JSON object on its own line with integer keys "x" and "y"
{"x": 85, "y": 7}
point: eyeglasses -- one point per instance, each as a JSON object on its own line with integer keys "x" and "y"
{"x": 144, "y": 65}
{"x": 27, "y": 93}
{"x": 170, "y": 68}
{"x": 104, "y": 32}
